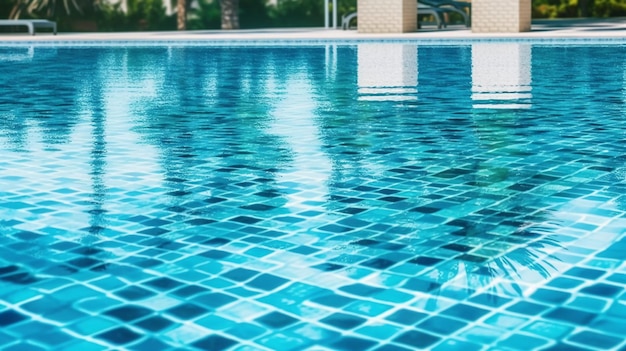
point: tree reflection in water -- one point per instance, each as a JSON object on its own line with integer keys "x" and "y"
{"x": 185, "y": 130}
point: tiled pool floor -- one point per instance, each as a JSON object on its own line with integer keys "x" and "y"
{"x": 139, "y": 215}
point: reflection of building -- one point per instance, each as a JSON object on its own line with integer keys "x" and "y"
{"x": 387, "y": 72}
{"x": 501, "y": 75}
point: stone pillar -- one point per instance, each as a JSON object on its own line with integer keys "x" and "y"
{"x": 501, "y": 16}
{"x": 387, "y": 16}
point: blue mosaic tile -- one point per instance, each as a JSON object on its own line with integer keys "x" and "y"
{"x": 406, "y": 317}
{"x": 505, "y": 321}
{"x": 10, "y": 317}
{"x": 214, "y": 342}
{"x": 271, "y": 221}
{"x": 379, "y": 331}
{"x": 603, "y": 290}
{"x": 596, "y": 340}
{"x": 466, "y": 312}
{"x": 457, "y": 345}
{"x": 515, "y": 341}
{"x": 348, "y": 343}
{"x": 343, "y": 321}
{"x": 119, "y": 336}
{"x": 588, "y": 303}
{"x": 527, "y": 308}
{"x": 441, "y": 325}
{"x": 416, "y": 339}
{"x": 570, "y": 315}
{"x": 154, "y": 323}
{"x": 25, "y": 346}
{"x": 550, "y": 296}
{"x": 82, "y": 345}
{"x": 277, "y": 320}
{"x": 482, "y": 335}
{"x": 566, "y": 346}
{"x": 391, "y": 347}
{"x": 151, "y": 344}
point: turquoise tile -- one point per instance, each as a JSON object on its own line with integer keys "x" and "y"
{"x": 458, "y": 345}
{"x": 506, "y": 321}
{"x": 246, "y": 331}
{"x": 393, "y": 296}
{"x": 283, "y": 341}
{"x": 440, "y": 220}
{"x": 368, "y": 308}
{"x": 83, "y": 345}
{"x": 91, "y": 325}
{"x": 482, "y": 335}
{"x": 215, "y": 322}
{"x": 380, "y": 331}
{"x": 548, "y": 329}
{"x": 516, "y": 341}
{"x": 97, "y": 305}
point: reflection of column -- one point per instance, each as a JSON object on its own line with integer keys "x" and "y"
{"x": 331, "y": 60}
{"x": 387, "y": 72}
{"x": 15, "y": 55}
{"x": 501, "y": 75}
{"x": 295, "y": 122}
{"x": 624, "y": 84}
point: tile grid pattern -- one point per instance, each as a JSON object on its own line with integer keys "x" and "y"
{"x": 425, "y": 251}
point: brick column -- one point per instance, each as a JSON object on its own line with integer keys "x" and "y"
{"x": 387, "y": 16}
{"x": 501, "y": 16}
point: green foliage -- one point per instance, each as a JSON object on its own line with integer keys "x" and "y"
{"x": 298, "y": 13}
{"x": 147, "y": 14}
{"x": 306, "y": 13}
{"x": 576, "y": 8}
{"x": 609, "y": 8}
{"x": 254, "y": 14}
{"x": 54, "y": 9}
{"x": 150, "y": 14}
{"x": 205, "y": 16}
{"x": 5, "y": 8}
{"x": 554, "y": 8}
{"x": 142, "y": 15}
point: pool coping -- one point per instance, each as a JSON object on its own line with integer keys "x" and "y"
{"x": 576, "y": 31}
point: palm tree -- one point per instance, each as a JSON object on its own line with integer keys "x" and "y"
{"x": 181, "y": 18}
{"x": 230, "y": 14}
{"x": 584, "y": 6}
{"x": 52, "y": 8}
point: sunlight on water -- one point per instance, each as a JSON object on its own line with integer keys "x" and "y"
{"x": 337, "y": 197}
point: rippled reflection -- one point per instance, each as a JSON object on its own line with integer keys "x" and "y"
{"x": 387, "y": 72}
{"x": 324, "y": 168}
{"x": 501, "y": 76}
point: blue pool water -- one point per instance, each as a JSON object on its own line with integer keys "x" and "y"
{"x": 376, "y": 196}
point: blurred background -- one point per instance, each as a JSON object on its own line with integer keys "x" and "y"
{"x": 162, "y": 15}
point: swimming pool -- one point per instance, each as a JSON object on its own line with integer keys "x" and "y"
{"x": 379, "y": 196}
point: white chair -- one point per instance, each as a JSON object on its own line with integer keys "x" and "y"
{"x": 31, "y": 24}
{"x": 422, "y": 9}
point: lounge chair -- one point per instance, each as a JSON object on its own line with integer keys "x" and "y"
{"x": 31, "y": 24}
{"x": 422, "y": 9}
{"x": 463, "y": 8}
